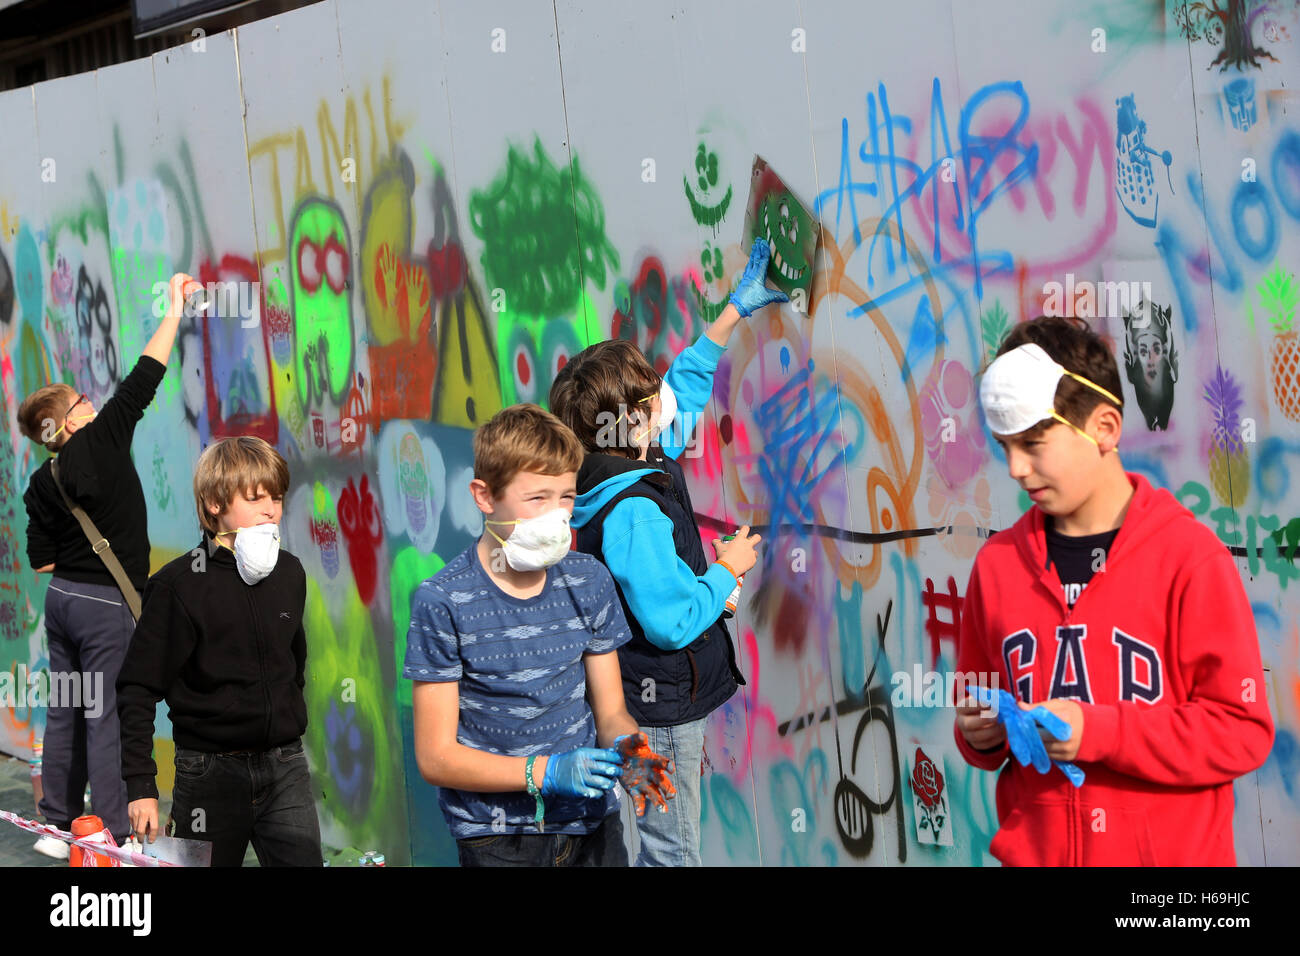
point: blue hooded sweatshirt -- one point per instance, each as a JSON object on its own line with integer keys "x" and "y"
{"x": 673, "y": 605}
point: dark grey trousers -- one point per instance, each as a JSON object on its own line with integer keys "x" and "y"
{"x": 89, "y": 629}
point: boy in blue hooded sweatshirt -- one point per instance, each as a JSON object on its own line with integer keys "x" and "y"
{"x": 634, "y": 513}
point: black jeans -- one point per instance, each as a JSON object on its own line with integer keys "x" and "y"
{"x": 602, "y": 847}
{"x": 228, "y": 799}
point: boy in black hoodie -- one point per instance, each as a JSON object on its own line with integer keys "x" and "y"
{"x": 222, "y": 639}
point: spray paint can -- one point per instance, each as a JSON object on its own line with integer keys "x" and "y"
{"x": 733, "y": 600}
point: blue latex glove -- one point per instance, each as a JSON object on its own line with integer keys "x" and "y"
{"x": 585, "y": 772}
{"x": 752, "y": 292}
{"x": 1022, "y": 732}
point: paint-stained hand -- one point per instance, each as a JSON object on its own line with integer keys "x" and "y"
{"x": 751, "y": 292}
{"x": 645, "y": 773}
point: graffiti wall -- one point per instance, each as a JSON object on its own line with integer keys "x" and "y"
{"x": 435, "y": 205}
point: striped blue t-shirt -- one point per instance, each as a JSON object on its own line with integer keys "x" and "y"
{"x": 522, "y": 681}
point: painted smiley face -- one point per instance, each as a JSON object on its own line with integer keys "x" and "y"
{"x": 714, "y": 271}
{"x": 704, "y": 208}
{"x": 783, "y": 223}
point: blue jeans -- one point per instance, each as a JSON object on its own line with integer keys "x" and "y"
{"x": 601, "y": 847}
{"x": 228, "y": 799}
{"x": 673, "y": 838}
{"x": 89, "y": 628}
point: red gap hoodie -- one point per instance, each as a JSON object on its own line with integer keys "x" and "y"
{"x": 1161, "y": 652}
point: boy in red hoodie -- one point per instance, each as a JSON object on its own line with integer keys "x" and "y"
{"x": 1110, "y": 605}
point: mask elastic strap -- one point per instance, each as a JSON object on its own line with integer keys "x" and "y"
{"x": 79, "y": 419}
{"x": 1094, "y": 387}
{"x": 1066, "y": 421}
{"x": 622, "y": 414}
{"x": 488, "y": 521}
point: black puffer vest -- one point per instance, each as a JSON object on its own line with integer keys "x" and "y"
{"x": 689, "y": 683}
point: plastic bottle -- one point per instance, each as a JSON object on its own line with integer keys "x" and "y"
{"x": 38, "y": 789}
{"x": 733, "y": 600}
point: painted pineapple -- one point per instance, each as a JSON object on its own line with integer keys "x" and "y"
{"x": 1229, "y": 463}
{"x": 993, "y": 326}
{"x": 1279, "y": 296}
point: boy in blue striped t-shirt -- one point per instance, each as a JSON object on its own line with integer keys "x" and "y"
{"x": 519, "y": 712}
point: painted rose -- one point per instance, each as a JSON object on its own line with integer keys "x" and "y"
{"x": 927, "y": 781}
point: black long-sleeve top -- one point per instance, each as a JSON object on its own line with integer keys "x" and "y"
{"x": 97, "y": 472}
{"x": 228, "y": 657}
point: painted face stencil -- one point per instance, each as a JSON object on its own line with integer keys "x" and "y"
{"x": 791, "y": 231}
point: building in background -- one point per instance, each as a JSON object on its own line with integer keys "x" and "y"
{"x": 45, "y": 39}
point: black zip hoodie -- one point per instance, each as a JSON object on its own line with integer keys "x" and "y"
{"x": 229, "y": 659}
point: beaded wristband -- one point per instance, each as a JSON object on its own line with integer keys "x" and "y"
{"x": 534, "y": 791}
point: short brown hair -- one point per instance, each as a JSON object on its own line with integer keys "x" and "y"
{"x": 1071, "y": 343}
{"x": 45, "y": 405}
{"x": 523, "y": 437}
{"x": 601, "y": 382}
{"x": 234, "y": 466}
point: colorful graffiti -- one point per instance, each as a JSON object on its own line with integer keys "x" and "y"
{"x": 407, "y": 270}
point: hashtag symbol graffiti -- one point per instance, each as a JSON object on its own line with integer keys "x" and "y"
{"x": 936, "y": 628}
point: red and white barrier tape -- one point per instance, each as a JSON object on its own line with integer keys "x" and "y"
{"x": 118, "y": 853}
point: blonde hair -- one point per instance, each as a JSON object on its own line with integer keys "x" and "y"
{"x": 45, "y": 405}
{"x": 234, "y": 466}
{"x": 523, "y": 438}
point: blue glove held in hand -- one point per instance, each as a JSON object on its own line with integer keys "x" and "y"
{"x": 585, "y": 772}
{"x": 1022, "y": 732}
{"x": 752, "y": 292}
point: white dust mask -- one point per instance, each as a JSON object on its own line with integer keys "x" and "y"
{"x": 536, "y": 543}
{"x": 667, "y": 412}
{"x": 667, "y": 407}
{"x": 256, "y": 551}
{"x": 1019, "y": 390}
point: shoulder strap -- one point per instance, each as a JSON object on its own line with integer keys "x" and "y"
{"x": 99, "y": 544}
